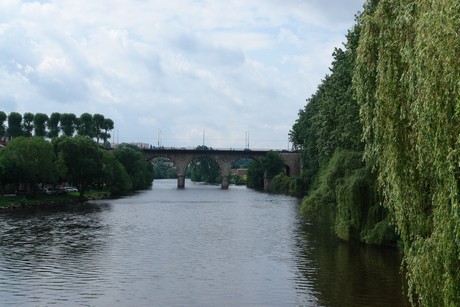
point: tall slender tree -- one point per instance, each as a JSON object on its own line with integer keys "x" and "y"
{"x": 98, "y": 124}
{"x": 53, "y": 125}
{"x": 40, "y": 121}
{"x": 14, "y": 125}
{"x": 68, "y": 123}
{"x": 86, "y": 126}
{"x": 107, "y": 126}
{"x": 28, "y": 124}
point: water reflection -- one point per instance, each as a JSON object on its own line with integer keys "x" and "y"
{"x": 44, "y": 250}
{"x": 349, "y": 274}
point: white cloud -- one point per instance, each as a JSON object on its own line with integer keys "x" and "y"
{"x": 179, "y": 66}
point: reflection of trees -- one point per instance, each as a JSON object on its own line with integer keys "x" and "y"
{"x": 49, "y": 235}
{"x": 347, "y": 274}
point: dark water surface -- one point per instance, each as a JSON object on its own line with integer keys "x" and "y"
{"x": 200, "y": 246}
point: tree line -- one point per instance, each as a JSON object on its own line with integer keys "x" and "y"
{"x": 34, "y": 163}
{"x": 94, "y": 126}
{"x": 379, "y": 141}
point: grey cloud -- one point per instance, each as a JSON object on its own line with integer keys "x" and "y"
{"x": 207, "y": 52}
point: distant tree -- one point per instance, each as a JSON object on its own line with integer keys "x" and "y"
{"x": 40, "y": 121}
{"x": 98, "y": 124}
{"x": 162, "y": 170}
{"x": 68, "y": 121}
{"x": 204, "y": 169}
{"x": 53, "y": 125}
{"x": 85, "y": 125}
{"x": 255, "y": 178}
{"x": 27, "y": 124}
{"x": 14, "y": 125}
{"x": 107, "y": 126}
{"x": 80, "y": 161}
{"x": 137, "y": 167}
{"x": 3, "y": 118}
{"x": 272, "y": 164}
{"x": 115, "y": 176}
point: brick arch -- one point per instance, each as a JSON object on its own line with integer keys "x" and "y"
{"x": 224, "y": 158}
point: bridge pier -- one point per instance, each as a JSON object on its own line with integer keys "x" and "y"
{"x": 225, "y": 183}
{"x": 225, "y": 173}
{"x": 180, "y": 181}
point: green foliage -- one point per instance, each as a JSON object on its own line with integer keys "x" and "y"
{"x": 79, "y": 161}
{"x": 85, "y": 125}
{"x": 204, "y": 169}
{"x": 344, "y": 192}
{"x": 40, "y": 121}
{"x": 14, "y": 124}
{"x": 28, "y": 160}
{"x": 237, "y": 180}
{"x": 282, "y": 184}
{"x": 272, "y": 164}
{"x": 139, "y": 170}
{"x": 163, "y": 170}
{"x": 68, "y": 123}
{"x": 255, "y": 178}
{"x": 34, "y": 162}
{"x": 337, "y": 183}
{"x": 28, "y": 124}
{"x": 407, "y": 83}
{"x": 115, "y": 176}
{"x": 53, "y": 125}
{"x": 41, "y": 125}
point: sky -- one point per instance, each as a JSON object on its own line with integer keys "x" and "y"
{"x": 176, "y": 73}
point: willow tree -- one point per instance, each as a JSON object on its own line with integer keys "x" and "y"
{"x": 407, "y": 80}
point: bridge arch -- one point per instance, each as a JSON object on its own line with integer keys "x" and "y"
{"x": 224, "y": 158}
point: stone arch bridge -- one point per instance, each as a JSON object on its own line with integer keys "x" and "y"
{"x": 183, "y": 157}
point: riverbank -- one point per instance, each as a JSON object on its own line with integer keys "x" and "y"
{"x": 17, "y": 202}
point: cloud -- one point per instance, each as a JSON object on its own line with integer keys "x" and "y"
{"x": 182, "y": 67}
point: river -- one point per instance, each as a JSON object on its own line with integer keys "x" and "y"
{"x": 200, "y": 246}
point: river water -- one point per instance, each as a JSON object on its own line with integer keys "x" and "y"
{"x": 201, "y": 246}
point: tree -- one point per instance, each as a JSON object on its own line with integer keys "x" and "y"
{"x": 407, "y": 83}
{"x": 85, "y": 125}
{"x": 107, "y": 126}
{"x": 68, "y": 121}
{"x": 98, "y": 123}
{"x": 40, "y": 121}
{"x": 14, "y": 125}
{"x": 137, "y": 167}
{"x": 204, "y": 169}
{"x": 53, "y": 125}
{"x": 80, "y": 161}
{"x": 28, "y": 124}
{"x": 255, "y": 178}
{"x": 115, "y": 176}
{"x": 272, "y": 164}
{"x": 33, "y": 161}
{"x": 3, "y": 118}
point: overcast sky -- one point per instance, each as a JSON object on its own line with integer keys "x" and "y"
{"x": 221, "y": 68}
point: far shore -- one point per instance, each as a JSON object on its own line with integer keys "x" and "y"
{"x": 12, "y": 201}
